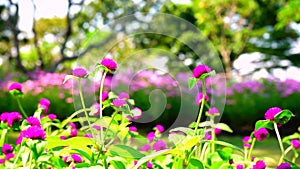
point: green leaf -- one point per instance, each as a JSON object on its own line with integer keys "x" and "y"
{"x": 224, "y": 127}
{"x": 225, "y": 156}
{"x": 190, "y": 142}
{"x": 82, "y": 165}
{"x": 204, "y": 75}
{"x": 117, "y": 164}
{"x": 291, "y": 137}
{"x": 225, "y": 144}
{"x": 152, "y": 156}
{"x": 195, "y": 164}
{"x": 192, "y": 82}
{"x": 283, "y": 117}
{"x": 185, "y": 130}
{"x": 125, "y": 152}
{"x": 264, "y": 124}
{"x": 68, "y": 77}
{"x": 83, "y": 153}
{"x": 178, "y": 163}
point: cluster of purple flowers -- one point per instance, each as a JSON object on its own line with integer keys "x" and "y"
{"x": 157, "y": 144}
{"x": 10, "y": 118}
{"x": 7, "y": 150}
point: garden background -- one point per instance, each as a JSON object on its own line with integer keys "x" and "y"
{"x": 258, "y": 42}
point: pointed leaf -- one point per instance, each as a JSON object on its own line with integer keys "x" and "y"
{"x": 192, "y": 82}
{"x": 224, "y": 127}
{"x": 151, "y": 156}
{"x": 264, "y": 124}
{"x": 125, "y": 152}
{"x": 117, "y": 164}
{"x": 195, "y": 164}
{"x": 283, "y": 117}
{"x": 67, "y": 77}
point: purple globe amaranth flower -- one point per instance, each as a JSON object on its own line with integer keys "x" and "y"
{"x": 200, "y": 70}
{"x": 2, "y": 161}
{"x": 7, "y": 148}
{"x": 247, "y": 145}
{"x": 10, "y": 118}
{"x": 271, "y": 113}
{"x": 295, "y": 143}
{"x": 259, "y": 165}
{"x": 213, "y": 111}
{"x": 160, "y": 128}
{"x": 52, "y": 116}
{"x": 33, "y": 121}
{"x": 124, "y": 95}
{"x": 149, "y": 164}
{"x": 150, "y": 136}
{"x": 34, "y": 132}
{"x": 240, "y": 166}
{"x": 247, "y": 139}
{"x": 63, "y": 137}
{"x": 73, "y": 132}
{"x": 73, "y": 125}
{"x": 208, "y": 136}
{"x": 118, "y": 102}
{"x": 261, "y": 134}
{"x": 284, "y": 166}
{"x": 76, "y": 158}
{"x": 217, "y": 131}
{"x": 79, "y": 72}
{"x": 44, "y": 103}
{"x": 88, "y": 135}
{"x": 145, "y": 147}
{"x": 104, "y": 96}
{"x": 15, "y": 86}
{"x": 9, "y": 156}
{"x": 133, "y": 129}
{"x": 159, "y": 145}
{"x": 199, "y": 97}
{"x": 96, "y": 127}
{"x": 109, "y": 64}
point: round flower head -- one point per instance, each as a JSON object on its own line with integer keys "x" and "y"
{"x": 271, "y": 113}
{"x": 2, "y": 161}
{"x": 261, "y": 134}
{"x": 109, "y": 64}
{"x": 34, "y": 132}
{"x": 160, "y": 128}
{"x": 284, "y": 166}
{"x": 96, "y": 127}
{"x": 213, "y": 111}
{"x": 9, "y": 156}
{"x": 259, "y": 165}
{"x": 240, "y": 166}
{"x": 200, "y": 70}
{"x": 208, "y": 136}
{"x": 6, "y": 149}
{"x": 295, "y": 143}
{"x": 104, "y": 96}
{"x": 217, "y": 131}
{"x": 79, "y": 72}
{"x": 13, "y": 117}
{"x": 44, "y": 104}
{"x": 52, "y": 116}
{"x": 76, "y": 158}
{"x": 33, "y": 121}
{"x": 247, "y": 145}
{"x": 159, "y": 145}
{"x": 124, "y": 95}
{"x": 145, "y": 147}
{"x": 198, "y": 98}
{"x": 118, "y": 102}
{"x": 247, "y": 139}
{"x": 149, "y": 164}
{"x": 133, "y": 129}
{"x": 15, "y": 86}
{"x": 150, "y": 136}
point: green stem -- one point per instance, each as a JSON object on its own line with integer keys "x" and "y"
{"x": 83, "y": 106}
{"x": 3, "y": 137}
{"x": 65, "y": 122}
{"x": 21, "y": 108}
{"x": 213, "y": 135}
{"x": 280, "y": 143}
{"x": 251, "y": 148}
{"x": 201, "y": 107}
{"x": 18, "y": 155}
{"x": 100, "y": 105}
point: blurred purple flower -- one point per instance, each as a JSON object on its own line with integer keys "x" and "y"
{"x": 259, "y": 165}
{"x": 76, "y": 158}
{"x": 73, "y": 125}
{"x": 261, "y": 134}
{"x": 10, "y": 118}
{"x": 295, "y": 143}
{"x": 217, "y": 131}
{"x": 145, "y": 147}
{"x": 118, "y": 102}
{"x": 7, "y": 148}
{"x": 15, "y": 86}
{"x": 284, "y": 166}
{"x": 96, "y": 127}
{"x": 104, "y": 96}
{"x": 88, "y": 135}
{"x": 133, "y": 129}
{"x": 247, "y": 139}
{"x": 124, "y": 95}
{"x": 160, "y": 128}
{"x": 52, "y": 116}
{"x": 271, "y": 112}
{"x": 44, "y": 103}
{"x": 9, "y": 156}
{"x": 33, "y": 121}
{"x": 138, "y": 113}
{"x": 79, "y": 72}
{"x": 74, "y": 132}
{"x": 109, "y": 63}
{"x": 208, "y": 136}
{"x": 150, "y": 136}
{"x": 240, "y": 166}
{"x": 247, "y": 145}
{"x": 213, "y": 111}
{"x": 198, "y": 98}
{"x": 2, "y": 161}
{"x": 159, "y": 145}
{"x": 149, "y": 164}
{"x": 200, "y": 69}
